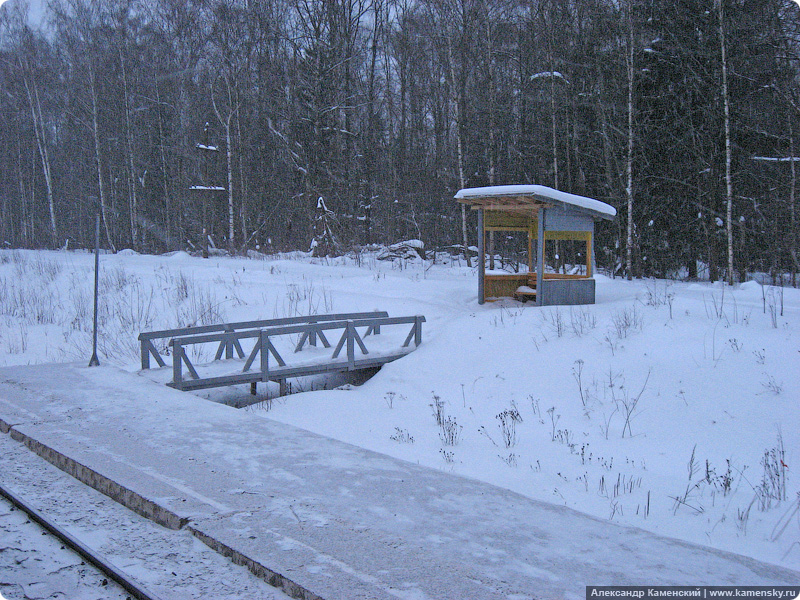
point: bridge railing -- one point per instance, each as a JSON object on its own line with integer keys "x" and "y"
{"x": 274, "y": 364}
{"x": 230, "y": 345}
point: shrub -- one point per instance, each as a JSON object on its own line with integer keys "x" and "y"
{"x": 450, "y": 431}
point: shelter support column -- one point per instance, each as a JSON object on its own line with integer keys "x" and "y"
{"x": 481, "y": 258}
{"x": 530, "y": 250}
{"x": 540, "y": 257}
{"x": 590, "y": 255}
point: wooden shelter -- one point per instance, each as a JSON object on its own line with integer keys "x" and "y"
{"x": 547, "y": 216}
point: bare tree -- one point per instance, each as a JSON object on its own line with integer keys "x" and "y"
{"x": 629, "y": 157}
{"x": 225, "y": 114}
{"x": 457, "y": 20}
{"x": 98, "y": 155}
{"x": 35, "y": 105}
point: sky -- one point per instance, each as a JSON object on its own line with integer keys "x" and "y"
{"x": 36, "y": 9}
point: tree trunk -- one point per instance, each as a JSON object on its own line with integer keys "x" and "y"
{"x": 792, "y": 207}
{"x": 728, "y": 175}
{"x": 548, "y": 29}
{"x": 169, "y": 225}
{"x": 133, "y": 209}
{"x": 492, "y": 110}
{"x": 372, "y": 124}
{"x": 98, "y": 153}
{"x": 23, "y": 216}
{"x": 629, "y": 158}
{"x": 553, "y": 114}
{"x": 226, "y": 123}
{"x": 460, "y": 147}
{"x": 41, "y": 141}
{"x": 229, "y": 166}
{"x": 242, "y": 187}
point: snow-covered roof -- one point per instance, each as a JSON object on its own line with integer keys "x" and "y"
{"x": 536, "y": 195}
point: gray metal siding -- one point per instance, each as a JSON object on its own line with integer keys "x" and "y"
{"x": 559, "y": 219}
{"x": 567, "y": 292}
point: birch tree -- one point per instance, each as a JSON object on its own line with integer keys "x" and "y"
{"x": 133, "y": 203}
{"x": 457, "y": 19}
{"x": 226, "y": 108}
{"x": 30, "y": 80}
{"x": 728, "y": 151}
{"x": 629, "y": 64}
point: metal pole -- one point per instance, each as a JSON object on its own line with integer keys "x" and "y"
{"x": 204, "y": 193}
{"x": 94, "y": 361}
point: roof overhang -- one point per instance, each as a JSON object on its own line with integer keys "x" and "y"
{"x": 530, "y": 198}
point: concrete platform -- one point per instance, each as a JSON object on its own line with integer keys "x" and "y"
{"x": 322, "y": 519}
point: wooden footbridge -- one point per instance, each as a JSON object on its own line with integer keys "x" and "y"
{"x": 279, "y": 349}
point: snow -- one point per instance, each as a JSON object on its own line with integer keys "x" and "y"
{"x": 341, "y": 521}
{"x": 522, "y": 270}
{"x": 548, "y": 75}
{"x": 539, "y": 190}
{"x": 777, "y": 158}
{"x": 408, "y": 249}
{"x": 180, "y": 255}
{"x": 667, "y": 406}
{"x": 208, "y": 188}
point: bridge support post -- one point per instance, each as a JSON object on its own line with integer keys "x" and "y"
{"x": 264, "y": 356}
{"x": 351, "y": 350}
{"x": 177, "y": 362}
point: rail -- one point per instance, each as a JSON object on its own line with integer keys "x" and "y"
{"x": 97, "y": 560}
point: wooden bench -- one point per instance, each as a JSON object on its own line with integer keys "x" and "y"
{"x": 524, "y": 293}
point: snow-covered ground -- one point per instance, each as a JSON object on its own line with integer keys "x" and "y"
{"x": 668, "y": 406}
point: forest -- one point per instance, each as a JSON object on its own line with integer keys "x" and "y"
{"x": 268, "y": 125}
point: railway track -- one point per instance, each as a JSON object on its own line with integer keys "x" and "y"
{"x": 173, "y": 564}
{"x": 132, "y": 588}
